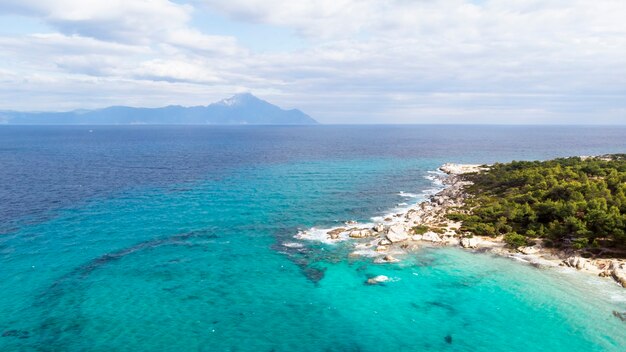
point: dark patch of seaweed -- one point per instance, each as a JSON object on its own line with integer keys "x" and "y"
{"x": 69, "y": 287}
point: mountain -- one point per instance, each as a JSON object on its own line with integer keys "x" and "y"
{"x": 237, "y": 110}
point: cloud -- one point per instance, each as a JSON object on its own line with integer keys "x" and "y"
{"x": 363, "y": 60}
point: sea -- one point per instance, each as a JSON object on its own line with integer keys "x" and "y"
{"x": 182, "y": 238}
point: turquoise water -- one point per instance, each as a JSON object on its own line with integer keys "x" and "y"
{"x": 200, "y": 265}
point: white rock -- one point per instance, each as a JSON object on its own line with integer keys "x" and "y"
{"x": 360, "y": 233}
{"x": 528, "y": 250}
{"x": 431, "y": 236}
{"x": 619, "y": 275}
{"x": 379, "y": 228}
{"x": 470, "y": 242}
{"x": 417, "y": 237}
{"x": 397, "y": 233}
{"x": 384, "y": 242}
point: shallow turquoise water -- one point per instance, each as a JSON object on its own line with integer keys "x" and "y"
{"x": 201, "y": 266}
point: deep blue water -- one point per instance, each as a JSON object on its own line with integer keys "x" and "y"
{"x": 172, "y": 238}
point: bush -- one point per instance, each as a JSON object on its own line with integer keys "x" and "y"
{"x": 515, "y": 240}
{"x": 580, "y": 243}
{"x": 420, "y": 230}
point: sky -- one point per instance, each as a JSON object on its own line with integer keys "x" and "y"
{"x": 340, "y": 61}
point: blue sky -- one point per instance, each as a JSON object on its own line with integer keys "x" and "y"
{"x": 341, "y": 61}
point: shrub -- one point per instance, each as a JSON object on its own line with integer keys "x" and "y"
{"x": 580, "y": 243}
{"x": 420, "y": 230}
{"x": 515, "y": 240}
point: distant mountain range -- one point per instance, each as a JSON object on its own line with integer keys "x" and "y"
{"x": 238, "y": 110}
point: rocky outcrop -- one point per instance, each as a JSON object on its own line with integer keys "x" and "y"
{"x": 578, "y": 263}
{"x": 397, "y": 233}
{"x": 431, "y": 237}
{"x": 469, "y": 242}
{"x": 618, "y": 272}
{"x": 361, "y": 233}
{"x": 334, "y": 234}
{"x": 529, "y": 250}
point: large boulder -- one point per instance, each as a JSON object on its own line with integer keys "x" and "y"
{"x": 334, "y": 234}
{"x": 431, "y": 236}
{"x": 361, "y": 233}
{"x": 618, "y": 273}
{"x": 528, "y": 250}
{"x": 469, "y": 242}
{"x": 576, "y": 262}
{"x": 397, "y": 233}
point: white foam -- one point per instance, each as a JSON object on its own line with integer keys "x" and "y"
{"x": 321, "y": 235}
{"x": 293, "y": 245}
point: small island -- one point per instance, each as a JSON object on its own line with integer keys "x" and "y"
{"x": 562, "y": 212}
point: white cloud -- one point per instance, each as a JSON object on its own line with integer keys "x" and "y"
{"x": 382, "y": 61}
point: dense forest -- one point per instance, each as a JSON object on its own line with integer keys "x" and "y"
{"x": 570, "y": 202}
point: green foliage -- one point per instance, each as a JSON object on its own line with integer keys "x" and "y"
{"x": 580, "y": 243}
{"x": 420, "y": 230}
{"x": 515, "y": 240}
{"x": 568, "y": 200}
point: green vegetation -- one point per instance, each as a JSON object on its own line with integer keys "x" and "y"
{"x": 420, "y": 230}
{"x": 571, "y": 202}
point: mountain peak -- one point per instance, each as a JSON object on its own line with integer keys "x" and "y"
{"x": 239, "y": 99}
{"x": 242, "y": 108}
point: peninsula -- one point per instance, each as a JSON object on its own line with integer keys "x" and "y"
{"x": 563, "y": 212}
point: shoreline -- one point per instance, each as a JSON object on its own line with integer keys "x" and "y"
{"x": 425, "y": 224}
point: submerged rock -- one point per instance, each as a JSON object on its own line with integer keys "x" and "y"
{"x": 377, "y": 280}
{"x": 386, "y": 259}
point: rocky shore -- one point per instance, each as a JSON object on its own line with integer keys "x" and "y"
{"x": 426, "y": 224}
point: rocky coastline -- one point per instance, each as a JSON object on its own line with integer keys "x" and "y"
{"x": 426, "y": 224}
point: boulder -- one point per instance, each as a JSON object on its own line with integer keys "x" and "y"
{"x": 528, "y": 250}
{"x": 379, "y": 228}
{"x": 381, "y": 248}
{"x": 619, "y": 275}
{"x": 334, "y": 234}
{"x": 397, "y": 233}
{"x": 469, "y": 242}
{"x": 361, "y": 233}
{"x": 417, "y": 237}
{"x": 431, "y": 236}
{"x": 576, "y": 262}
{"x": 377, "y": 280}
{"x": 384, "y": 242}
